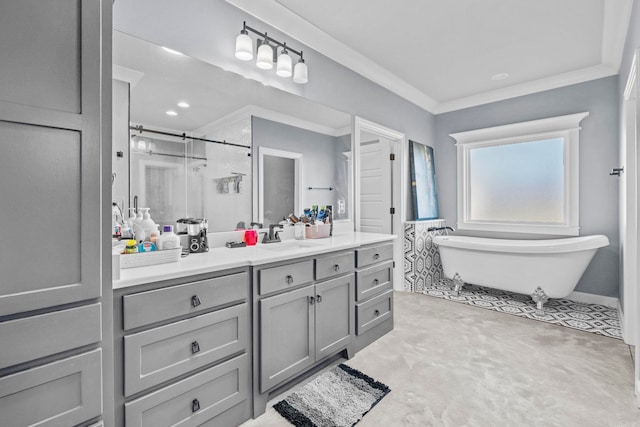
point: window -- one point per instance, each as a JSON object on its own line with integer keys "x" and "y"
{"x": 521, "y": 177}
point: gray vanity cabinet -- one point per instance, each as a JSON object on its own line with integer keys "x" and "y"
{"x": 54, "y": 180}
{"x": 374, "y": 293}
{"x": 287, "y": 335}
{"x": 301, "y": 321}
{"x": 184, "y": 351}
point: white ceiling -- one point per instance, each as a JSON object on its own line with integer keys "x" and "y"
{"x": 441, "y": 55}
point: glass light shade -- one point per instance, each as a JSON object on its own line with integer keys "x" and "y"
{"x": 300, "y": 73}
{"x": 265, "y": 57}
{"x": 244, "y": 47}
{"x": 284, "y": 65}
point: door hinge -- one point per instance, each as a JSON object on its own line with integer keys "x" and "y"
{"x": 392, "y": 156}
{"x": 392, "y": 211}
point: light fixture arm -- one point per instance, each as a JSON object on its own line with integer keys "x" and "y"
{"x": 264, "y": 35}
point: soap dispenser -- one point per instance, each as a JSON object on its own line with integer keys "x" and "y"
{"x": 147, "y": 223}
{"x": 132, "y": 217}
{"x": 138, "y": 218}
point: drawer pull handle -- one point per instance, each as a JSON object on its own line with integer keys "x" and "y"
{"x": 195, "y": 301}
{"x": 376, "y": 256}
{"x": 289, "y": 280}
{"x": 195, "y": 347}
{"x": 311, "y": 300}
{"x": 319, "y": 298}
{"x": 376, "y": 313}
{"x": 195, "y": 405}
{"x": 336, "y": 268}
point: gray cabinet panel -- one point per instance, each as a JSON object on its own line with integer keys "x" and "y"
{"x": 53, "y": 159}
{"x": 149, "y": 307}
{"x": 162, "y": 353}
{"x": 374, "y": 254}
{"x": 287, "y": 337}
{"x": 194, "y": 400}
{"x": 62, "y": 393}
{"x": 374, "y": 280}
{"x": 30, "y": 338}
{"x": 288, "y": 276}
{"x": 40, "y": 53}
{"x": 335, "y": 315}
{"x": 334, "y": 265}
{"x": 374, "y": 311}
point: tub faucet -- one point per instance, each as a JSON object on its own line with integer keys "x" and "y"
{"x": 440, "y": 228}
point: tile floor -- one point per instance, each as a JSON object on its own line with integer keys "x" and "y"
{"x": 595, "y": 318}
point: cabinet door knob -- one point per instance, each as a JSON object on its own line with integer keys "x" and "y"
{"x": 375, "y": 282}
{"x": 195, "y": 347}
{"x": 195, "y": 405}
{"x": 311, "y": 300}
{"x": 195, "y": 301}
{"x": 376, "y": 256}
{"x": 319, "y": 298}
{"x": 336, "y": 268}
{"x": 289, "y": 279}
{"x": 376, "y": 313}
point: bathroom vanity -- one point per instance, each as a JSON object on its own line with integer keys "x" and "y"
{"x": 213, "y": 337}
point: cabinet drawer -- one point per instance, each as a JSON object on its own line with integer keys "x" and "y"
{"x": 145, "y": 308}
{"x": 63, "y": 393}
{"x": 33, "y": 337}
{"x": 160, "y": 354}
{"x": 374, "y": 254}
{"x": 333, "y": 265}
{"x": 373, "y": 312}
{"x": 276, "y": 279}
{"x": 374, "y": 280}
{"x": 194, "y": 400}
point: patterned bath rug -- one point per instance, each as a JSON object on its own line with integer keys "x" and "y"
{"x": 594, "y": 318}
{"x": 339, "y": 397}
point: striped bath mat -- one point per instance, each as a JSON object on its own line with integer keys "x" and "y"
{"x": 339, "y": 397}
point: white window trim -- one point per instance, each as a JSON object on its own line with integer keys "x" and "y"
{"x": 566, "y": 127}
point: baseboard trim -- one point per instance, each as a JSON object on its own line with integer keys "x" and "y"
{"x": 594, "y": 299}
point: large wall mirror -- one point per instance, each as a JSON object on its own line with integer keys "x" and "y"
{"x": 170, "y": 163}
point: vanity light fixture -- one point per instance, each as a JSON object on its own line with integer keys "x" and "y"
{"x": 171, "y": 113}
{"x": 268, "y": 53}
{"x": 183, "y": 104}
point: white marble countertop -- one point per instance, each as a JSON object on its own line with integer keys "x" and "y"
{"x": 218, "y": 259}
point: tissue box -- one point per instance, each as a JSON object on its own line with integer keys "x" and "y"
{"x": 317, "y": 231}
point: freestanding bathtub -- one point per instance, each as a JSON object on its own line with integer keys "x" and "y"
{"x": 542, "y": 268}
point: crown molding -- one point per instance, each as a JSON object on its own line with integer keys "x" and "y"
{"x": 547, "y": 83}
{"x": 125, "y": 74}
{"x": 617, "y": 14}
{"x": 253, "y": 110}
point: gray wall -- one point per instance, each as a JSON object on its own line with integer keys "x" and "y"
{"x": 318, "y": 152}
{"x": 598, "y": 154}
{"x": 632, "y": 43}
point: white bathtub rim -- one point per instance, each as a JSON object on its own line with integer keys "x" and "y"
{"x": 544, "y": 246}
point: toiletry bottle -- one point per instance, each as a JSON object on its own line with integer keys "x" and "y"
{"x": 146, "y": 247}
{"x": 168, "y": 239}
{"x": 131, "y": 247}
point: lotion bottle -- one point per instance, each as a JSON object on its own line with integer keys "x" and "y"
{"x": 168, "y": 239}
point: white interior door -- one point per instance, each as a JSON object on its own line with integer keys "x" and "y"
{"x": 375, "y": 187}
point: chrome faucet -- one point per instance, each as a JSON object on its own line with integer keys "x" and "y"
{"x": 273, "y": 236}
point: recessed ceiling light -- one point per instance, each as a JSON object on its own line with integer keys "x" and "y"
{"x": 171, "y": 113}
{"x": 499, "y": 76}
{"x": 183, "y": 104}
{"x": 175, "y": 52}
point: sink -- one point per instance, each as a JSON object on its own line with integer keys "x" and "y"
{"x": 287, "y": 245}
